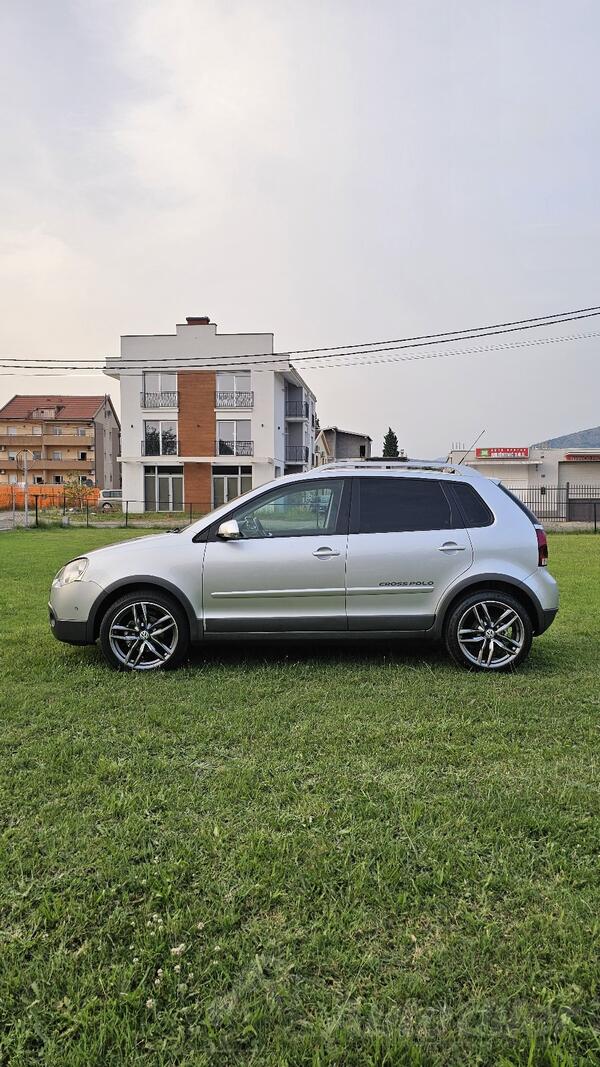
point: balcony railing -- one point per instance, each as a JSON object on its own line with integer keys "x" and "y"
{"x": 234, "y": 448}
{"x": 160, "y": 400}
{"x": 153, "y": 447}
{"x": 296, "y": 409}
{"x": 232, "y": 399}
{"x": 296, "y": 453}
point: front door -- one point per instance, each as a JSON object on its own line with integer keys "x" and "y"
{"x": 286, "y": 573}
{"x": 406, "y": 545}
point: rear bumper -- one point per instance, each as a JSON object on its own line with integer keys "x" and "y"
{"x": 73, "y": 633}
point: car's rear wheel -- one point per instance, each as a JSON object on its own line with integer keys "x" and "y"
{"x": 489, "y": 631}
{"x": 144, "y": 631}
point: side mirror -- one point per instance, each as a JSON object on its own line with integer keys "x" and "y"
{"x": 229, "y": 530}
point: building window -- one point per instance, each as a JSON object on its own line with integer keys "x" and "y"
{"x": 37, "y": 453}
{"x": 361, "y": 451}
{"x": 229, "y": 483}
{"x": 12, "y": 431}
{"x": 160, "y": 390}
{"x": 163, "y": 489}
{"x": 55, "y": 431}
{"x": 160, "y": 439}
{"x": 233, "y": 390}
{"x": 12, "y": 479}
{"x": 36, "y": 431}
{"x": 81, "y": 431}
{"x": 57, "y": 455}
{"x": 233, "y": 437}
{"x": 58, "y": 479}
{"x": 82, "y": 455}
{"x": 39, "y": 480}
{"x": 12, "y": 454}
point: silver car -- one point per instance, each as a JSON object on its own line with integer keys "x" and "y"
{"x": 349, "y": 550}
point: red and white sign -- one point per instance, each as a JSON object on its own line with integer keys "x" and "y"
{"x": 502, "y": 453}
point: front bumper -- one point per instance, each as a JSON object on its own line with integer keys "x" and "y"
{"x": 545, "y": 619}
{"x": 70, "y": 607}
{"x": 74, "y": 633}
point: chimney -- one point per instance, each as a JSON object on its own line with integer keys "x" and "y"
{"x": 197, "y": 320}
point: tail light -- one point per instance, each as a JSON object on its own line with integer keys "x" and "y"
{"x": 542, "y": 541}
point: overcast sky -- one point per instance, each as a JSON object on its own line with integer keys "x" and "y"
{"x": 333, "y": 171}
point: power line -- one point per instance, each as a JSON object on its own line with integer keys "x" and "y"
{"x": 480, "y": 350}
{"x": 302, "y": 355}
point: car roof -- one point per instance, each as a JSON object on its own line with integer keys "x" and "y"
{"x": 402, "y": 468}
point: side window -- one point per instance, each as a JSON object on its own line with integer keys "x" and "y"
{"x": 400, "y": 505}
{"x": 475, "y": 510}
{"x": 297, "y": 511}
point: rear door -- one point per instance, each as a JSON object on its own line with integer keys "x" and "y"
{"x": 407, "y": 544}
{"x": 287, "y": 571}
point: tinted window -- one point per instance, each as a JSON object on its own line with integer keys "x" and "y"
{"x": 394, "y": 505}
{"x": 296, "y": 511}
{"x": 475, "y": 510}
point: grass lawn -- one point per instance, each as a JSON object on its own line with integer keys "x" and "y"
{"x": 306, "y": 856}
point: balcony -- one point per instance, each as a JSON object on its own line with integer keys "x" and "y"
{"x": 159, "y": 400}
{"x": 232, "y": 399}
{"x": 296, "y": 409}
{"x": 234, "y": 448}
{"x": 296, "y": 453}
{"x": 153, "y": 447}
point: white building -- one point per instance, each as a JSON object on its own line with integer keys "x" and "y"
{"x": 200, "y": 426}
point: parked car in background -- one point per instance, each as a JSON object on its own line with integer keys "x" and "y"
{"x": 348, "y": 550}
{"x": 110, "y": 499}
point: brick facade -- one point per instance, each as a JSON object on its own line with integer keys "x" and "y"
{"x": 197, "y": 423}
{"x": 197, "y": 432}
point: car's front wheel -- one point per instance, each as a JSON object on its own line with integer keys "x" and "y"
{"x": 144, "y": 631}
{"x": 489, "y": 631}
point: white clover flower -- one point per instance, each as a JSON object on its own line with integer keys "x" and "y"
{"x": 178, "y": 950}
{"x": 150, "y": 1003}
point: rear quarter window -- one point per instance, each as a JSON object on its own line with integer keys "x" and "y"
{"x": 474, "y": 509}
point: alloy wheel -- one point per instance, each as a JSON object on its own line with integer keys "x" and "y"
{"x": 491, "y": 634}
{"x": 143, "y": 636}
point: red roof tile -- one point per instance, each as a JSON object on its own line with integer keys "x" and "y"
{"x": 68, "y": 407}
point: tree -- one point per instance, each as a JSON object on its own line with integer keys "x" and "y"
{"x": 390, "y": 445}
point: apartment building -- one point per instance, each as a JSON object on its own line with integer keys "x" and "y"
{"x": 201, "y": 425}
{"x": 65, "y": 436}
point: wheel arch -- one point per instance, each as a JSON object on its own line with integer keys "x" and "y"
{"x": 500, "y": 582}
{"x": 128, "y": 585}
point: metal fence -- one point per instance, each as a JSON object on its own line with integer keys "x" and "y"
{"x": 561, "y": 503}
{"x": 551, "y": 504}
{"x": 38, "y": 511}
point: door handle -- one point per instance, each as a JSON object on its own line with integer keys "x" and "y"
{"x": 325, "y": 553}
{"x": 451, "y": 546}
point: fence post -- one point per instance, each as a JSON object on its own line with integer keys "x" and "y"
{"x": 595, "y": 517}
{"x": 64, "y": 503}
{"x": 191, "y": 506}
{"x": 87, "y": 512}
{"x": 127, "y": 513}
{"x": 36, "y": 510}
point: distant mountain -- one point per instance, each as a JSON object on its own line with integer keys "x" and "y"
{"x": 580, "y": 439}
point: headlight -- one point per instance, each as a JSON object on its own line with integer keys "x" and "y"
{"x": 72, "y": 572}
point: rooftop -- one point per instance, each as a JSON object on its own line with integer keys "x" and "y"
{"x": 65, "y": 407}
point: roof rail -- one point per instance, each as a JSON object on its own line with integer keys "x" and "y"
{"x": 398, "y": 464}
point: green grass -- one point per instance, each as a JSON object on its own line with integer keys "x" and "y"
{"x": 361, "y": 856}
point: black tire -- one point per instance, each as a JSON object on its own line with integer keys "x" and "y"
{"x": 107, "y": 507}
{"x": 468, "y": 632}
{"x": 144, "y": 630}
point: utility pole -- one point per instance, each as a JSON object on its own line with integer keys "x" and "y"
{"x": 24, "y": 453}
